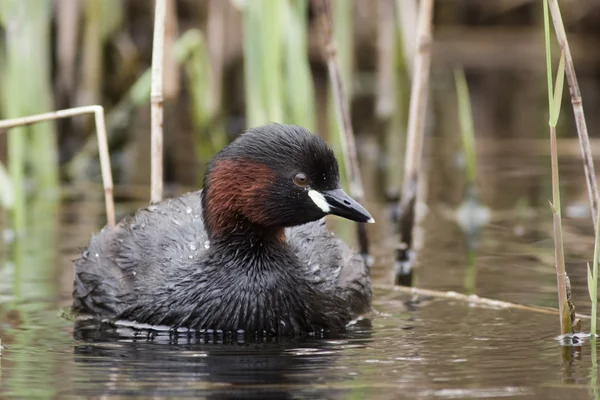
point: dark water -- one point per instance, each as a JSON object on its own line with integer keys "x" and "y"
{"x": 417, "y": 347}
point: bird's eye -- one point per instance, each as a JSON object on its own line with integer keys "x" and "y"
{"x": 301, "y": 179}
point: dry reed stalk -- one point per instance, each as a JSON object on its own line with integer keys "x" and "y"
{"x": 171, "y": 66}
{"x": 576, "y": 101}
{"x": 323, "y": 14}
{"x": 158, "y": 48}
{"x": 416, "y": 130}
{"x": 98, "y": 112}
{"x": 67, "y": 25}
{"x": 407, "y": 16}
{"x": 216, "y": 47}
{"x": 386, "y": 46}
{"x": 418, "y": 101}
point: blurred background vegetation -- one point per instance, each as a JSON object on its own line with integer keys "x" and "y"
{"x": 234, "y": 64}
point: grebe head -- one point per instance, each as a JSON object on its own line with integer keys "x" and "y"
{"x": 272, "y": 177}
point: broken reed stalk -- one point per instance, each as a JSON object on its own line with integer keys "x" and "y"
{"x": 470, "y": 298}
{"x": 157, "y": 98}
{"x": 576, "y": 101}
{"x": 323, "y": 14}
{"x": 98, "y": 112}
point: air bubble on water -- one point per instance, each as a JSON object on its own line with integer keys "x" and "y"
{"x": 207, "y": 244}
{"x": 97, "y": 255}
{"x": 192, "y": 246}
{"x": 152, "y": 208}
{"x": 189, "y": 210}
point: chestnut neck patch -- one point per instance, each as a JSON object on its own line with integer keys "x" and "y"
{"x": 232, "y": 199}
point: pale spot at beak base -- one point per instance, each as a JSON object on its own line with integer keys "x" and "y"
{"x": 319, "y": 200}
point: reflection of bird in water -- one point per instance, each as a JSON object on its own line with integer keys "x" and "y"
{"x": 208, "y": 366}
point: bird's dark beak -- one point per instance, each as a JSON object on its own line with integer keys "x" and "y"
{"x": 342, "y": 205}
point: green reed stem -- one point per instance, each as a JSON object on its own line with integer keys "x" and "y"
{"x": 554, "y": 101}
{"x": 26, "y": 89}
{"x": 263, "y": 61}
{"x": 299, "y": 89}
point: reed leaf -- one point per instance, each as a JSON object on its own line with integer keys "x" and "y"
{"x": 558, "y": 90}
{"x": 590, "y": 283}
{"x": 465, "y": 117}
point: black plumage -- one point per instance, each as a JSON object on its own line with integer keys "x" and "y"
{"x": 162, "y": 266}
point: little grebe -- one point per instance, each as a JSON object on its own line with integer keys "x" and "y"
{"x": 249, "y": 252}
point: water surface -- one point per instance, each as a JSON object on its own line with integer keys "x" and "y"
{"x": 415, "y": 347}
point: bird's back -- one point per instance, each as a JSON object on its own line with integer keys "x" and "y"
{"x": 140, "y": 248}
{"x": 146, "y": 251}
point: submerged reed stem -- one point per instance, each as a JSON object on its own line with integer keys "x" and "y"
{"x": 157, "y": 98}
